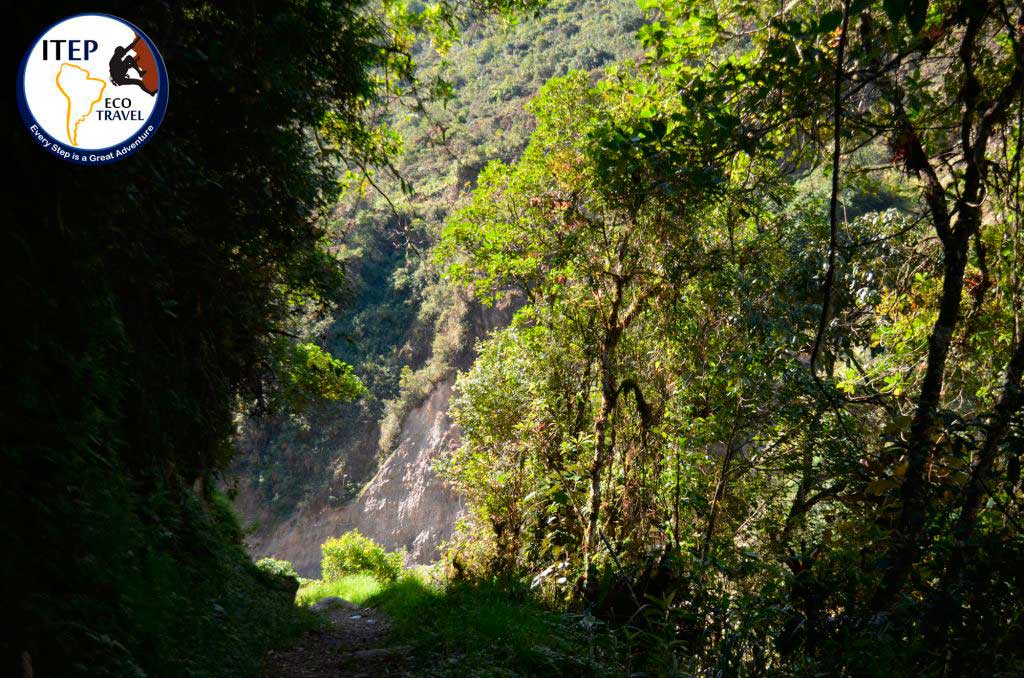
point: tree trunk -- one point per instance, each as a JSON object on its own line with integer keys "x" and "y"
{"x": 1010, "y": 402}
{"x": 978, "y": 121}
{"x": 608, "y": 397}
{"x": 807, "y": 481}
{"x": 723, "y": 473}
{"x": 913, "y": 493}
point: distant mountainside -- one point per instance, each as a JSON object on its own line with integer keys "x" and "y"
{"x": 368, "y": 465}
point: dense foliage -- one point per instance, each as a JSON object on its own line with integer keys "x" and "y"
{"x": 764, "y": 399}
{"x": 277, "y": 567}
{"x": 353, "y": 553}
{"x": 157, "y": 299}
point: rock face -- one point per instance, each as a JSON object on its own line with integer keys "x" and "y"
{"x": 405, "y": 505}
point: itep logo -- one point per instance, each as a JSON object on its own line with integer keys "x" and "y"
{"x": 92, "y": 89}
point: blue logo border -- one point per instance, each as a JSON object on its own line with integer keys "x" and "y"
{"x": 155, "y": 117}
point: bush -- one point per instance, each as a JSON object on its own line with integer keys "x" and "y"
{"x": 280, "y": 568}
{"x": 352, "y": 553}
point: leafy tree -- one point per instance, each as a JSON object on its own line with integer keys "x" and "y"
{"x": 833, "y": 364}
{"x": 577, "y": 233}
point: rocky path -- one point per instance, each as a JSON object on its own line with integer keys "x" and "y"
{"x": 353, "y": 643}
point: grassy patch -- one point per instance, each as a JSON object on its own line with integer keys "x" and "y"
{"x": 474, "y": 629}
{"x": 357, "y": 588}
{"x": 486, "y": 629}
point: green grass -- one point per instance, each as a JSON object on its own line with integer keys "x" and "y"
{"x": 357, "y": 588}
{"x": 481, "y": 629}
{"x": 486, "y": 628}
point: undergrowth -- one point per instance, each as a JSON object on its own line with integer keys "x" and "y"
{"x": 479, "y": 628}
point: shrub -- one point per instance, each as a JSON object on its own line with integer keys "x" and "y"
{"x": 280, "y": 576}
{"x": 281, "y": 568}
{"x": 353, "y": 553}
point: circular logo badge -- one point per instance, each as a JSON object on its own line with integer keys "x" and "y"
{"x": 92, "y": 89}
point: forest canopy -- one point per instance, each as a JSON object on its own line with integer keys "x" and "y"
{"x": 765, "y": 383}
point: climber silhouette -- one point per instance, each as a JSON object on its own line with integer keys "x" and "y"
{"x": 122, "y": 62}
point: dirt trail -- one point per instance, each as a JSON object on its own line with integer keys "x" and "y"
{"x": 354, "y": 643}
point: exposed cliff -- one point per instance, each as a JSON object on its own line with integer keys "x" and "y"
{"x": 405, "y": 505}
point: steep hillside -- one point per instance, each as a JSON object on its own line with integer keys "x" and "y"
{"x": 404, "y": 505}
{"x": 367, "y": 465}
